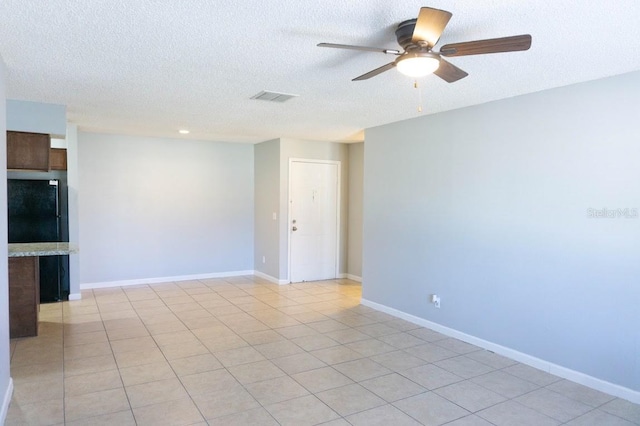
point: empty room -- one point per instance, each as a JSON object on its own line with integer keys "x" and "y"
{"x": 335, "y": 213}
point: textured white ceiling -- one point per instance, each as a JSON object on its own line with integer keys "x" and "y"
{"x": 151, "y": 67}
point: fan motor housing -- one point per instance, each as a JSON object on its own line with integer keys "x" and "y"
{"x": 404, "y": 32}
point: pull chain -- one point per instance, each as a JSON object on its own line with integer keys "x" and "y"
{"x": 415, "y": 85}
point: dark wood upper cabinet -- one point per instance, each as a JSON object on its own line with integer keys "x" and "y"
{"x": 58, "y": 159}
{"x": 28, "y": 151}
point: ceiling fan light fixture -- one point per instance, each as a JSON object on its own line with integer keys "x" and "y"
{"x": 418, "y": 64}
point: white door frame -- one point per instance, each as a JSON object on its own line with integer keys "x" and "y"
{"x": 338, "y": 210}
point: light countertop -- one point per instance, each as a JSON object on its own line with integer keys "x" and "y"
{"x": 41, "y": 249}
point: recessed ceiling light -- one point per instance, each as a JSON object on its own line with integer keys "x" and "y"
{"x": 183, "y": 132}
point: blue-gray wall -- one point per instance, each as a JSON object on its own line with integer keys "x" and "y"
{"x": 152, "y": 208}
{"x": 267, "y": 202}
{"x": 5, "y": 380}
{"x": 272, "y": 196}
{"x": 356, "y": 182}
{"x": 74, "y": 220}
{"x": 312, "y": 150}
{"x": 487, "y": 206}
{"x": 37, "y": 117}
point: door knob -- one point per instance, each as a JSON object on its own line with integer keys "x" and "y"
{"x": 295, "y": 228}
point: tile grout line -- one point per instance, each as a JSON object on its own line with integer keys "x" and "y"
{"x": 287, "y": 375}
{"x": 169, "y": 362}
{"x": 169, "y": 307}
{"x": 124, "y": 388}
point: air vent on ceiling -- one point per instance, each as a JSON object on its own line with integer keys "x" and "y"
{"x": 273, "y": 96}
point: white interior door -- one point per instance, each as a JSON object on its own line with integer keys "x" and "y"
{"x": 313, "y": 220}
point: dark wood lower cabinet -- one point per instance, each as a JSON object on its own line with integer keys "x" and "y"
{"x": 24, "y": 296}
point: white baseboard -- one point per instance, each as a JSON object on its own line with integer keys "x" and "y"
{"x": 282, "y": 282}
{"x": 75, "y": 296}
{"x": 107, "y": 284}
{"x": 549, "y": 367}
{"x": 270, "y": 278}
{"x": 4, "y": 409}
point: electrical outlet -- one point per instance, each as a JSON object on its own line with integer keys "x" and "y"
{"x": 435, "y": 299}
{"x": 264, "y": 259}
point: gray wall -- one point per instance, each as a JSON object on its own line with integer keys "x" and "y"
{"x": 152, "y": 208}
{"x": 267, "y": 202}
{"x": 37, "y": 117}
{"x": 356, "y": 182}
{"x": 487, "y": 206}
{"x": 292, "y": 148}
{"x": 5, "y": 379}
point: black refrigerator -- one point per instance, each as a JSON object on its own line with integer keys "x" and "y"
{"x": 34, "y": 216}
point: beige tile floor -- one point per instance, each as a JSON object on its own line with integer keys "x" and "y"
{"x": 242, "y": 351}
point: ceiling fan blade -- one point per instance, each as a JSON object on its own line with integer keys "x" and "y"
{"x": 375, "y": 72}
{"x": 430, "y": 25}
{"x": 494, "y": 45}
{"x": 364, "y": 48}
{"x": 449, "y": 72}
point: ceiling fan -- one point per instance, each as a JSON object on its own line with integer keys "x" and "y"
{"x": 417, "y": 37}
